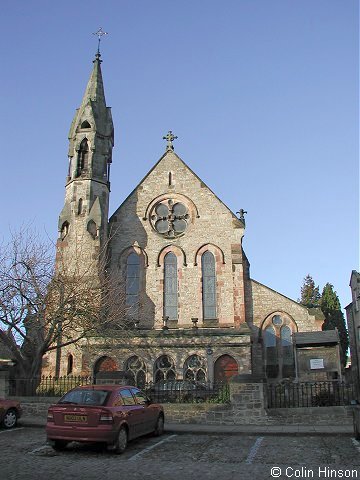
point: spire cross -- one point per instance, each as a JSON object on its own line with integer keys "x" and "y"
{"x": 100, "y": 33}
{"x": 170, "y": 138}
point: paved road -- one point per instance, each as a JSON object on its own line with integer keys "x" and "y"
{"x": 25, "y": 455}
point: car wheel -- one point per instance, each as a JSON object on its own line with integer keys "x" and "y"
{"x": 159, "y": 427}
{"x": 10, "y": 418}
{"x": 121, "y": 441}
{"x": 59, "y": 445}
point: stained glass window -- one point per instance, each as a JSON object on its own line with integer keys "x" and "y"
{"x": 208, "y": 285}
{"x": 170, "y": 286}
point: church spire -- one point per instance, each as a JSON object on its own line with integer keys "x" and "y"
{"x": 95, "y": 88}
{"x": 84, "y": 218}
{"x": 92, "y": 124}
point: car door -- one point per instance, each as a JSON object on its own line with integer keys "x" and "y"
{"x": 134, "y": 413}
{"x": 149, "y": 419}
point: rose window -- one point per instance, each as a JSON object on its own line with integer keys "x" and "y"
{"x": 170, "y": 219}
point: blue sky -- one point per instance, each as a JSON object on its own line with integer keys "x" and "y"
{"x": 263, "y": 95}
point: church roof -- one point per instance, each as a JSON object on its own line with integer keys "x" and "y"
{"x": 171, "y": 152}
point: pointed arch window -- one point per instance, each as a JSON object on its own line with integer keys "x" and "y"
{"x": 287, "y": 352}
{"x": 83, "y": 158}
{"x": 170, "y": 286}
{"x": 135, "y": 368}
{"x": 272, "y": 362}
{"x": 132, "y": 284}
{"x": 208, "y": 285}
{"x": 92, "y": 228}
{"x": 80, "y": 206}
{"x": 195, "y": 368}
{"x": 164, "y": 369}
{"x": 85, "y": 124}
{"x": 278, "y": 347}
{"x": 64, "y": 230}
{"x": 70, "y": 364}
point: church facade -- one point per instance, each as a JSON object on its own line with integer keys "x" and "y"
{"x": 177, "y": 252}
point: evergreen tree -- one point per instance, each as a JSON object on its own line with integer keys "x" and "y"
{"x": 310, "y": 294}
{"x": 334, "y": 318}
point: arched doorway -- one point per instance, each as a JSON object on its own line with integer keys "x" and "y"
{"x": 105, "y": 364}
{"x": 225, "y": 367}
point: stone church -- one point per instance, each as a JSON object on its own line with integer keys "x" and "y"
{"x": 183, "y": 273}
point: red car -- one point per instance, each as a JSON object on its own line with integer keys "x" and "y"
{"x": 10, "y": 412}
{"x": 111, "y": 414}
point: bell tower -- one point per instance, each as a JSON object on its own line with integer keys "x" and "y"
{"x": 83, "y": 222}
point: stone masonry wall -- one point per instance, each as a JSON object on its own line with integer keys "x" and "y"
{"x": 211, "y": 226}
{"x": 268, "y": 302}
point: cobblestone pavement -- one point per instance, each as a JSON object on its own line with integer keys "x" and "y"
{"x": 25, "y": 455}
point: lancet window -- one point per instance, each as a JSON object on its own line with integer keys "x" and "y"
{"x": 208, "y": 285}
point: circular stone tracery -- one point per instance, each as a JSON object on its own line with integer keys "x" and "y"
{"x": 169, "y": 219}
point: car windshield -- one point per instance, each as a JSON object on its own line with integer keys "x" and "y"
{"x": 85, "y": 397}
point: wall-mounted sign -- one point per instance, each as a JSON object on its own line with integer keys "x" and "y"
{"x": 316, "y": 363}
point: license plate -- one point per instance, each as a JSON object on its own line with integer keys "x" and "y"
{"x": 75, "y": 418}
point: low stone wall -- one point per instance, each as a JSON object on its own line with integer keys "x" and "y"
{"x": 209, "y": 414}
{"x": 36, "y": 406}
{"x": 228, "y": 415}
{"x": 311, "y": 416}
{"x": 216, "y": 414}
{"x": 246, "y": 407}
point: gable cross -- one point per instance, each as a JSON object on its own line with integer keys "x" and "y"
{"x": 170, "y": 138}
{"x": 242, "y": 214}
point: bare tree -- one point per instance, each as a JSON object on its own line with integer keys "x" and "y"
{"x": 44, "y": 309}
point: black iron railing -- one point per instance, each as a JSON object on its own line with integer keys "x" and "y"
{"x": 311, "y": 394}
{"x": 46, "y": 386}
{"x": 185, "y": 391}
{"x": 175, "y": 391}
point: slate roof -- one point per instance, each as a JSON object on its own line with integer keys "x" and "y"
{"x": 325, "y": 337}
{"x": 316, "y": 311}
